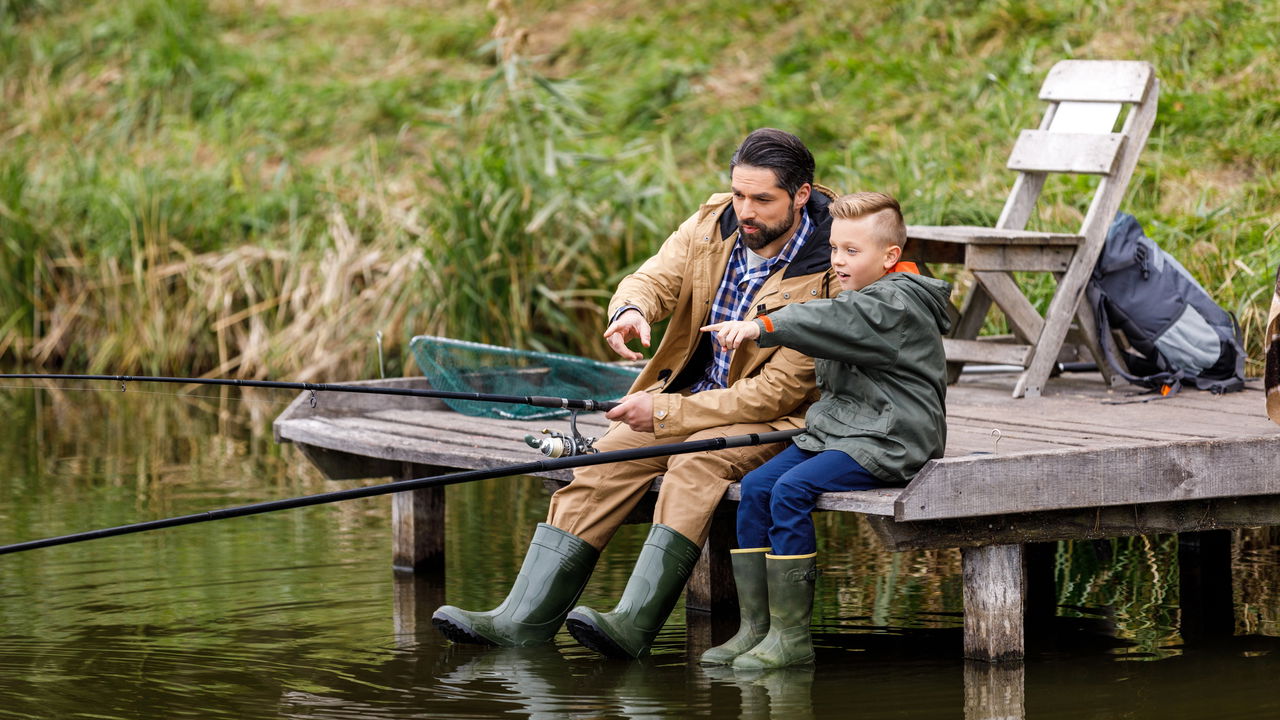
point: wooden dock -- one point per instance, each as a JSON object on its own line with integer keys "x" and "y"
{"x": 1078, "y": 462}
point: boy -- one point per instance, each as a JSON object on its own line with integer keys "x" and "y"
{"x": 882, "y": 372}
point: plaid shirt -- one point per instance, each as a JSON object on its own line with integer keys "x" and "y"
{"x": 737, "y": 289}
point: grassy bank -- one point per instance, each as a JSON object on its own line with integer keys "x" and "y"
{"x": 257, "y": 187}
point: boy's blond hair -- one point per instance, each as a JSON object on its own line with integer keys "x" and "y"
{"x": 890, "y": 229}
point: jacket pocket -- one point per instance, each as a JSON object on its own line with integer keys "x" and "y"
{"x": 852, "y": 419}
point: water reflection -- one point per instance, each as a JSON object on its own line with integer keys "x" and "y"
{"x": 298, "y": 614}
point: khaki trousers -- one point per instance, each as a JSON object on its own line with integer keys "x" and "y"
{"x": 600, "y": 496}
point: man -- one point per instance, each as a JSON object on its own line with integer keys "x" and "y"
{"x": 742, "y": 254}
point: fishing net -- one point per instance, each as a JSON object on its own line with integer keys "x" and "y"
{"x": 461, "y": 366}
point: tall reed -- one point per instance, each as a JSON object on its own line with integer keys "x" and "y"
{"x": 258, "y": 187}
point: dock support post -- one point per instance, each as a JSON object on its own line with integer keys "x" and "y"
{"x": 994, "y": 692}
{"x": 417, "y": 524}
{"x": 1204, "y": 584}
{"x": 415, "y": 597}
{"x": 995, "y": 590}
{"x": 711, "y": 587}
{"x": 1042, "y": 582}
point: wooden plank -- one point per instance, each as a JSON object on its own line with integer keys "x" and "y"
{"x": 867, "y": 502}
{"x": 962, "y": 441}
{"x": 339, "y": 465}
{"x": 1133, "y": 428}
{"x": 985, "y": 352}
{"x": 1000, "y": 436}
{"x": 1079, "y": 524}
{"x": 972, "y": 234}
{"x": 379, "y": 445}
{"x": 1005, "y": 293}
{"x": 340, "y": 403}
{"x": 1018, "y": 258}
{"x": 1044, "y": 151}
{"x": 419, "y": 434}
{"x": 923, "y": 252}
{"x": 1097, "y": 80}
{"x": 1106, "y": 425}
{"x": 494, "y": 426}
{"x": 1026, "y": 191}
{"x": 1027, "y": 482}
{"x": 994, "y": 598}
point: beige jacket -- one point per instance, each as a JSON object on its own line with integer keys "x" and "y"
{"x": 766, "y": 385}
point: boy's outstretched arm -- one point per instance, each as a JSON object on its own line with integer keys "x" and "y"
{"x": 856, "y": 328}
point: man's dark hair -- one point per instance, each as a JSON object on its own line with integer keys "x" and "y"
{"x": 781, "y": 152}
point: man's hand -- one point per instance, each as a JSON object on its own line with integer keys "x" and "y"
{"x": 629, "y": 325}
{"x": 733, "y": 333}
{"x": 636, "y": 410}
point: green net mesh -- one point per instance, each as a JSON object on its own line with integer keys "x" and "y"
{"x": 461, "y": 366}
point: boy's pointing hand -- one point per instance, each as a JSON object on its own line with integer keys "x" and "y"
{"x": 733, "y": 333}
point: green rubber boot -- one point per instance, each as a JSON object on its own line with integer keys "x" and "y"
{"x": 791, "y": 581}
{"x": 664, "y": 565}
{"x": 753, "y": 607}
{"x": 554, "y": 573}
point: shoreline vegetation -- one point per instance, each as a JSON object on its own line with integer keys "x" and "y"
{"x": 254, "y": 188}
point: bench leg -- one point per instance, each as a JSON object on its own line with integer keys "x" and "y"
{"x": 995, "y": 592}
{"x": 417, "y": 524}
{"x": 1204, "y": 584}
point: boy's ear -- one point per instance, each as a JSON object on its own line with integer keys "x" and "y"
{"x": 892, "y": 255}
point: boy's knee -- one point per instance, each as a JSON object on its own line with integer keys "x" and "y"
{"x": 753, "y": 486}
{"x": 791, "y": 490}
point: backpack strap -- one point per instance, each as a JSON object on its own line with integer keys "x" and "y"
{"x": 1167, "y": 382}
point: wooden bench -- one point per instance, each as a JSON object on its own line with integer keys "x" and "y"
{"x": 1077, "y": 135}
{"x": 1079, "y": 462}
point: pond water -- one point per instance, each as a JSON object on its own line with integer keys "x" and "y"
{"x": 298, "y": 614}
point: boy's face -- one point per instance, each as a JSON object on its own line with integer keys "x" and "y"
{"x": 858, "y": 256}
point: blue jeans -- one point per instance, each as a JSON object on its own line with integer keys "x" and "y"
{"x": 778, "y": 497}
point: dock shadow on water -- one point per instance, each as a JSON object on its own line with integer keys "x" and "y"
{"x": 299, "y": 614}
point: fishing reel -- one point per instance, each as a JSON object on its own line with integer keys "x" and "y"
{"x": 560, "y": 444}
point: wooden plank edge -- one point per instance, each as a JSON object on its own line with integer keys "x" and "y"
{"x": 1001, "y": 477}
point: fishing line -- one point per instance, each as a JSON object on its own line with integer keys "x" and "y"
{"x": 534, "y": 400}
{"x": 142, "y": 392}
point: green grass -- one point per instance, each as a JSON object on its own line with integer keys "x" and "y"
{"x": 228, "y": 186}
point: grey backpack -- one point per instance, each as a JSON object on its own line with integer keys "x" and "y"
{"x": 1176, "y": 332}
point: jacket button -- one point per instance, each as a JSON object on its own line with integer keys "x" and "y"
{"x": 662, "y": 425}
{"x": 813, "y": 292}
{"x": 786, "y": 296}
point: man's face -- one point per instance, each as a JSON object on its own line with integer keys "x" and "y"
{"x": 766, "y": 212}
{"x": 858, "y": 256}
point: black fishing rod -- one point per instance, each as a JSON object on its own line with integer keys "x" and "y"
{"x": 529, "y": 468}
{"x": 535, "y": 400}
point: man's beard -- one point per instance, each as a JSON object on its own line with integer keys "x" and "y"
{"x": 766, "y": 234}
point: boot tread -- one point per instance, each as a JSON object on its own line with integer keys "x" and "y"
{"x": 457, "y": 632}
{"x": 587, "y": 633}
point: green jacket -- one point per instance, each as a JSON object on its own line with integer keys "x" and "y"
{"x": 880, "y": 367}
